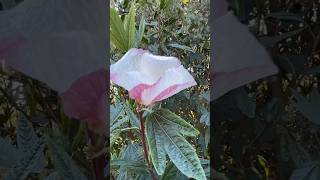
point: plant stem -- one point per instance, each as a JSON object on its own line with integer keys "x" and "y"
{"x": 145, "y": 149}
{"x": 97, "y": 162}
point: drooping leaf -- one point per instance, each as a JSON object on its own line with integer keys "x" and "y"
{"x": 285, "y": 16}
{"x": 169, "y": 128}
{"x": 9, "y": 154}
{"x": 131, "y": 162}
{"x": 26, "y": 139}
{"x": 157, "y": 151}
{"x": 271, "y": 41}
{"x": 309, "y": 171}
{"x": 309, "y": 106}
{"x": 22, "y": 168}
{"x": 246, "y": 104}
{"x": 63, "y": 162}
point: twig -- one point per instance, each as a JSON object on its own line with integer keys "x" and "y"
{"x": 145, "y": 149}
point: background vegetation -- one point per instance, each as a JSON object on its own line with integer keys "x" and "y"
{"x": 272, "y": 131}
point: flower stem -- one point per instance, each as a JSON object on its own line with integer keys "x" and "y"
{"x": 145, "y": 149}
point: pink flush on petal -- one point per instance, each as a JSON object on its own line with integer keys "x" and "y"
{"x": 8, "y": 45}
{"x": 86, "y": 99}
{"x": 150, "y": 78}
{"x": 136, "y": 92}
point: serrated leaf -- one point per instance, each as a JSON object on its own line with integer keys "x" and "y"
{"x": 174, "y": 121}
{"x": 26, "y": 139}
{"x": 22, "y": 168}
{"x": 133, "y": 118}
{"x": 155, "y": 142}
{"x": 63, "y": 162}
{"x": 115, "y": 112}
{"x": 119, "y": 122}
{"x": 131, "y": 163}
{"x": 169, "y": 128}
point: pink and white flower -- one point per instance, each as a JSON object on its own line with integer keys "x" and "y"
{"x": 237, "y": 57}
{"x": 150, "y": 78}
{"x": 63, "y": 44}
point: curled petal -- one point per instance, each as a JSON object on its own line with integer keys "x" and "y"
{"x": 150, "y": 78}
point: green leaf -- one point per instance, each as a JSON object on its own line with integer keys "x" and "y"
{"x": 310, "y": 171}
{"x": 130, "y": 26}
{"x": 63, "y": 162}
{"x": 168, "y": 129}
{"x": 117, "y": 32}
{"x": 26, "y": 139}
{"x": 114, "y": 136}
{"x": 170, "y": 172}
{"x": 218, "y": 175}
{"x": 22, "y": 168}
{"x": 183, "y": 47}
{"x": 7, "y": 4}
{"x": 155, "y": 142}
{"x": 140, "y": 33}
{"x": 205, "y": 118}
{"x": 271, "y": 41}
{"x": 286, "y": 16}
{"x": 131, "y": 163}
{"x": 54, "y": 176}
{"x": 164, "y": 4}
{"x": 246, "y": 104}
{"x": 309, "y": 107}
{"x": 9, "y": 154}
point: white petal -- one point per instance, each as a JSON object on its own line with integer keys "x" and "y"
{"x": 62, "y": 40}
{"x": 128, "y": 63}
{"x": 235, "y": 51}
{"x": 59, "y": 59}
{"x": 175, "y": 78}
{"x": 138, "y": 66}
{"x": 156, "y": 66}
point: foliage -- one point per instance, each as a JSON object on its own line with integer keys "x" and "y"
{"x": 272, "y": 131}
